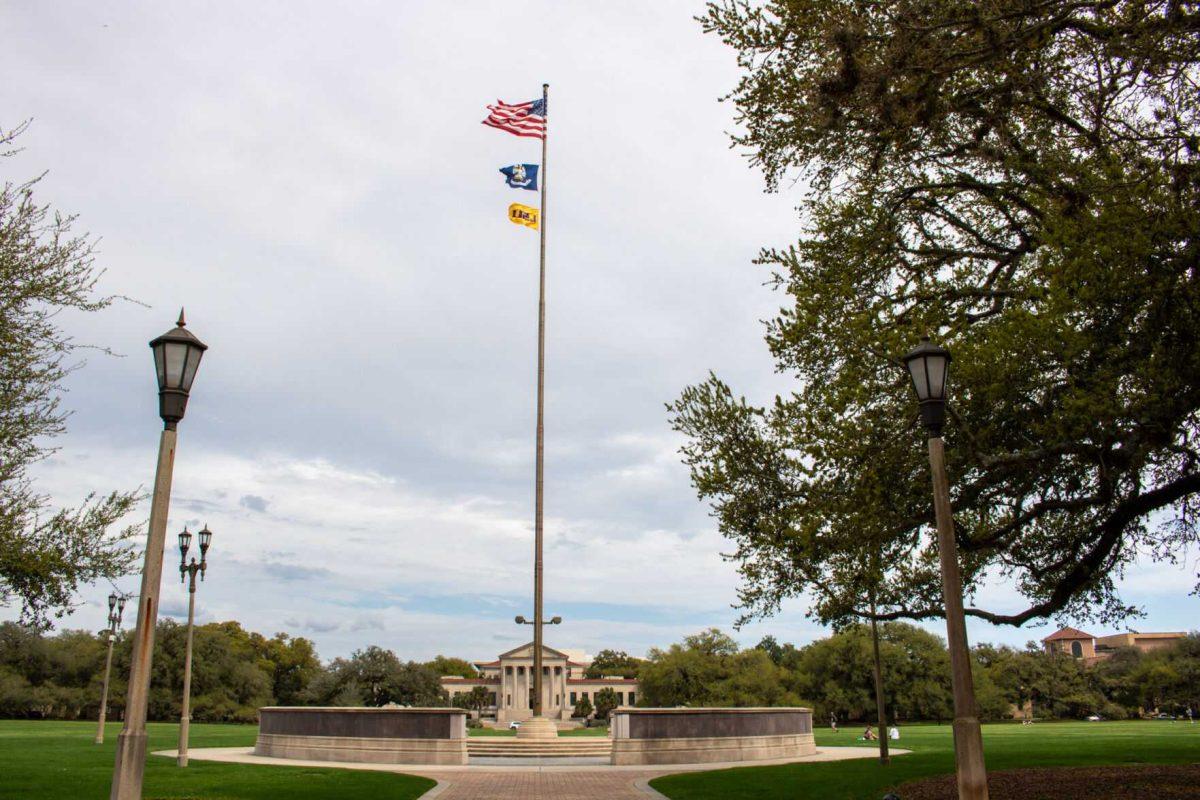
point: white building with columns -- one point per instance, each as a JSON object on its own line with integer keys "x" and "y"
{"x": 509, "y": 683}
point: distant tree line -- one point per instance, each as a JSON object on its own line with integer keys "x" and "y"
{"x": 834, "y": 676}
{"x": 236, "y": 672}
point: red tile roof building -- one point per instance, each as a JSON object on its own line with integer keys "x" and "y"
{"x": 1078, "y": 644}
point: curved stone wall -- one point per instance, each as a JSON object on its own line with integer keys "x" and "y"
{"x": 705, "y": 735}
{"x": 372, "y": 735}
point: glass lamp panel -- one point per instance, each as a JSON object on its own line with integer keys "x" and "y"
{"x": 920, "y": 378}
{"x": 112, "y": 602}
{"x": 936, "y": 367}
{"x": 121, "y": 606}
{"x": 185, "y": 541}
{"x": 189, "y": 370}
{"x": 175, "y": 355}
{"x": 205, "y": 537}
{"x": 159, "y": 366}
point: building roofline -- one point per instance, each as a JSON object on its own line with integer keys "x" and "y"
{"x": 545, "y": 649}
{"x": 1067, "y": 633}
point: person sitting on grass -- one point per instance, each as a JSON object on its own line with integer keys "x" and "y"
{"x": 869, "y": 735}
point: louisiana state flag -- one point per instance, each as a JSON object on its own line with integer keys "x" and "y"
{"x": 521, "y": 176}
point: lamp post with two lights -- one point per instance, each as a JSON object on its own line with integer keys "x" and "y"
{"x": 116, "y": 609}
{"x": 188, "y": 571}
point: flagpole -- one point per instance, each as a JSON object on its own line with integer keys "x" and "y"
{"x": 541, "y": 399}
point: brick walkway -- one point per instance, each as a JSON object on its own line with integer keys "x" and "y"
{"x": 487, "y": 782}
{"x": 529, "y": 785}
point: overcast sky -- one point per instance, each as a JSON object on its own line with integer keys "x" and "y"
{"x": 311, "y": 180}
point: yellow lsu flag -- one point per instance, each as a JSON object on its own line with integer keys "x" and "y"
{"x": 523, "y": 215}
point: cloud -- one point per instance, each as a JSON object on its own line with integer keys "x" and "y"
{"x": 292, "y": 572}
{"x": 174, "y": 608}
{"x": 253, "y": 502}
{"x": 315, "y": 626}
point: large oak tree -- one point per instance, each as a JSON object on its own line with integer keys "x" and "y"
{"x": 45, "y": 269}
{"x": 1021, "y": 180}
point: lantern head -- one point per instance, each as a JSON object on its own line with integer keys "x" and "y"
{"x": 185, "y": 541}
{"x": 928, "y": 366}
{"x": 177, "y": 356}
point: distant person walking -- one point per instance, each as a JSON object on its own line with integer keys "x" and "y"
{"x": 833, "y": 722}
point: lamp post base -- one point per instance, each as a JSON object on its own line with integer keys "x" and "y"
{"x": 182, "y": 757}
{"x": 968, "y": 755}
{"x": 131, "y": 759}
{"x": 537, "y": 728}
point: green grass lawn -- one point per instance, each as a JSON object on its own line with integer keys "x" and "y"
{"x": 50, "y": 760}
{"x": 1006, "y": 746}
{"x": 597, "y": 731}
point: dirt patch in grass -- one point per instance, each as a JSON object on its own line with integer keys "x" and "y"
{"x": 1072, "y": 783}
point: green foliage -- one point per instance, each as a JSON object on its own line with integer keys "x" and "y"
{"x": 613, "y": 662}
{"x": 606, "y": 701}
{"x": 49, "y": 677}
{"x": 1021, "y": 181}
{"x": 447, "y": 665}
{"x": 837, "y": 673}
{"x": 583, "y": 708}
{"x": 835, "y": 676}
{"x": 1056, "y": 685}
{"x": 708, "y": 669}
{"x": 45, "y": 268}
{"x": 234, "y": 672}
{"x": 375, "y": 677}
{"x": 476, "y": 700}
{"x": 1167, "y": 679}
{"x": 292, "y": 664}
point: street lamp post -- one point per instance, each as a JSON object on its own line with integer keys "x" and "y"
{"x": 116, "y": 609}
{"x": 189, "y": 571}
{"x": 177, "y": 355}
{"x": 928, "y": 366}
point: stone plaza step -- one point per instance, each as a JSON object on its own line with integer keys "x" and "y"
{"x": 562, "y": 747}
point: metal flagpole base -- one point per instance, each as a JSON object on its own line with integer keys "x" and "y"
{"x": 537, "y": 728}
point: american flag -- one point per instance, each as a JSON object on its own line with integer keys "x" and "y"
{"x": 523, "y": 119}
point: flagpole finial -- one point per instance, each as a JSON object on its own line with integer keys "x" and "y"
{"x": 181, "y": 322}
